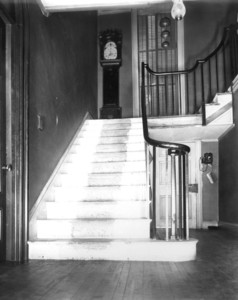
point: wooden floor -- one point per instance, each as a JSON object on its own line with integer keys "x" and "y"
{"x": 214, "y": 275}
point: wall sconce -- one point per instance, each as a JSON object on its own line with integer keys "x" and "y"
{"x": 165, "y": 44}
{"x": 165, "y": 22}
{"x": 165, "y": 34}
{"x": 178, "y": 10}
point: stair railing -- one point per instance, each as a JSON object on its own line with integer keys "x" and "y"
{"x": 187, "y": 91}
{"x": 177, "y": 226}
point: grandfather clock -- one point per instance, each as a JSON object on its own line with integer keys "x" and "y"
{"x": 110, "y": 59}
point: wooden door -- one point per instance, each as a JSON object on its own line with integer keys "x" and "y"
{"x": 164, "y": 187}
{"x": 3, "y": 167}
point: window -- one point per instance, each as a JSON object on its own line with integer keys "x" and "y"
{"x": 157, "y": 46}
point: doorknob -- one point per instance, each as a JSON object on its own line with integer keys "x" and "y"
{"x": 7, "y": 167}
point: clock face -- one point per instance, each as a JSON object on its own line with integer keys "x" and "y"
{"x": 110, "y": 50}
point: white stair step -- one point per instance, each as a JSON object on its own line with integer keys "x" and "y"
{"x": 95, "y": 209}
{"x": 220, "y": 108}
{"x": 223, "y": 97}
{"x": 101, "y": 179}
{"x": 107, "y": 133}
{"x": 174, "y": 121}
{"x": 112, "y": 126}
{"x": 109, "y": 167}
{"x": 89, "y": 228}
{"x": 112, "y": 147}
{"x": 115, "y": 139}
{"x": 131, "y": 249}
{"x": 121, "y": 193}
{"x": 113, "y": 121}
{"x": 108, "y": 157}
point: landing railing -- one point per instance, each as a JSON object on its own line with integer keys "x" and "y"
{"x": 181, "y": 93}
{"x": 177, "y": 219}
{"x": 187, "y": 92}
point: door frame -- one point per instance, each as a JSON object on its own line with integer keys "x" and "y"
{"x": 17, "y": 52}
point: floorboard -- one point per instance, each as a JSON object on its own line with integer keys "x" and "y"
{"x": 214, "y": 275}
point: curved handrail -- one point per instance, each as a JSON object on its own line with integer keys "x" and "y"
{"x": 168, "y": 145}
{"x": 199, "y": 61}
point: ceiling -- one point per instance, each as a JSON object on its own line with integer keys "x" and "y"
{"x": 51, "y": 6}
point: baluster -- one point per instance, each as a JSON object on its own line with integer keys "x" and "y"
{"x": 231, "y": 58}
{"x": 187, "y": 95}
{"x": 173, "y": 195}
{"x": 224, "y": 66}
{"x": 217, "y": 73}
{"x": 210, "y": 80}
{"x": 185, "y": 194}
{"x": 195, "y": 88}
{"x": 167, "y": 199}
{"x": 180, "y": 95}
{"x": 154, "y": 192}
{"x": 158, "y": 95}
{"x": 148, "y": 176}
{"x": 203, "y": 97}
{"x": 166, "y": 95}
{"x": 180, "y": 197}
{"x": 172, "y": 93}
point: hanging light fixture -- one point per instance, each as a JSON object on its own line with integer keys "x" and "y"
{"x": 178, "y": 10}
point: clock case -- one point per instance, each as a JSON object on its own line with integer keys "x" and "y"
{"x": 111, "y": 108}
{"x": 114, "y": 36}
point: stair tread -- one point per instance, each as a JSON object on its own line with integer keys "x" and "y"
{"x": 94, "y": 240}
{"x": 99, "y": 201}
{"x": 96, "y": 219}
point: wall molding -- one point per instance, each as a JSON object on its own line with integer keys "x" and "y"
{"x": 229, "y": 225}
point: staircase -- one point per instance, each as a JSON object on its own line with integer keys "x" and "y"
{"x": 96, "y": 207}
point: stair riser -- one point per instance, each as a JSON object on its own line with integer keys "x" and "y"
{"x": 114, "y": 126}
{"x": 115, "y": 250}
{"x": 114, "y": 140}
{"x": 114, "y": 193}
{"x": 108, "y": 157}
{"x": 110, "y": 167}
{"x": 131, "y": 121}
{"x": 220, "y": 98}
{"x": 118, "y": 132}
{"x": 111, "y": 148}
{"x": 102, "y": 179}
{"x": 77, "y": 210}
{"x": 67, "y": 229}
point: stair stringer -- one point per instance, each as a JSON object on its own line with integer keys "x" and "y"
{"x": 47, "y": 193}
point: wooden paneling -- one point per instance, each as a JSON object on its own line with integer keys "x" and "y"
{"x": 62, "y": 86}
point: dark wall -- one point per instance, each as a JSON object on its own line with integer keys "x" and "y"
{"x": 121, "y": 21}
{"x": 63, "y": 86}
{"x": 228, "y": 163}
{"x": 203, "y": 27}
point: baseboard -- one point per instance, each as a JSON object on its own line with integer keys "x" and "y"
{"x": 207, "y": 224}
{"x": 49, "y": 182}
{"x": 233, "y": 226}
